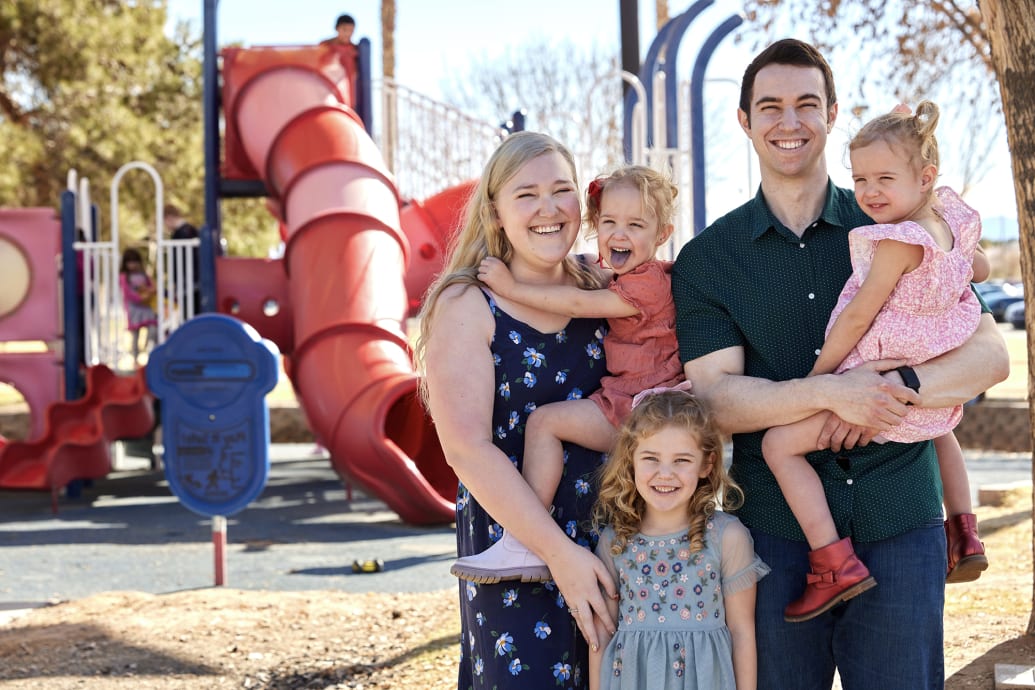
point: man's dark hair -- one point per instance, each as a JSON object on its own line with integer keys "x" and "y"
{"x": 787, "y": 51}
{"x": 344, "y": 19}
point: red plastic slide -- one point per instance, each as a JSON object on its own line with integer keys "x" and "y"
{"x": 77, "y": 434}
{"x": 288, "y": 120}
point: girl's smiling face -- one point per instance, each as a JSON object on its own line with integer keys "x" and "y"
{"x": 888, "y": 186}
{"x": 628, "y": 233}
{"x": 667, "y": 466}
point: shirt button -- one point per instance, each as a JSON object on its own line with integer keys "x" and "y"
{"x": 812, "y": 295}
{"x": 817, "y": 352}
{"x": 802, "y": 245}
{"x": 815, "y": 224}
{"x": 849, "y": 482}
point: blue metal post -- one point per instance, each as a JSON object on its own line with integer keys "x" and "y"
{"x": 697, "y": 153}
{"x": 70, "y": 297}
{"x": 210, "y": 231}
{"x": 675, "y": 37}
{"x": 364, "y": 94}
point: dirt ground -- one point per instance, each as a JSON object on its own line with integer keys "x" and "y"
{"x": 226, "y": 638}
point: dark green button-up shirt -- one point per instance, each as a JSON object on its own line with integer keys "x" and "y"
{"x": 748, "y": 281}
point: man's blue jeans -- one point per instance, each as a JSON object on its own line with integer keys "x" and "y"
{"x": 887, "y": 637}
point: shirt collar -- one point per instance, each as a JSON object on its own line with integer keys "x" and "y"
{"x": 834, "y": 213}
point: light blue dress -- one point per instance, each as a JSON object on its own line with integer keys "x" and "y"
{"x": 672, "y": 632}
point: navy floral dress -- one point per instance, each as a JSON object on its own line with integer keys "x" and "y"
{"x": 519, "y": 635}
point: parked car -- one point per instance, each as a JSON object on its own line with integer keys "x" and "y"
{"x": 999, "y": 295}
{"x": 1014, "y": 315}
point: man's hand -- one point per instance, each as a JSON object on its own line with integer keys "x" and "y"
{"x": 871, "y": 399}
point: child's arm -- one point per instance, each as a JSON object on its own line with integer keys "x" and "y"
{"x": 558, "y": 299}
{"x": 982, "y": 267}
{"x": 891, "y": 260}
{"x": 740, "y": 619}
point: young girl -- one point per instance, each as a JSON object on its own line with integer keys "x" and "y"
{"x": 138, "y": 293}
{"x": 909, "y": 298}
{"x": 631, "y": 211}
{"x": 686, "y": 572}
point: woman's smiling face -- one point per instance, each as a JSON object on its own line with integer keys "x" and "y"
{"x": 539, "y": 211}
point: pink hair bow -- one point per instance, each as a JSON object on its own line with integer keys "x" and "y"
{"x": 684, "y": 386}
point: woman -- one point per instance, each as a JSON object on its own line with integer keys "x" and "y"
{"x": 487, "y": 363}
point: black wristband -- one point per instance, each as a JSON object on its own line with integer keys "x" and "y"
{"x": 909, "y": 378}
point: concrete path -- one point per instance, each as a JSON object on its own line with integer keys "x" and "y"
{"x": 127, "y": 532}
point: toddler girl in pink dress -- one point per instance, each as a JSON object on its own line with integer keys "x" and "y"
{"x": 909, "y": 298}
{"x": 631, "y": 211}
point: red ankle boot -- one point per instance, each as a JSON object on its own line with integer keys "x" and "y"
{"x": 966, "y": 553}
{"x": 837, "y": 575}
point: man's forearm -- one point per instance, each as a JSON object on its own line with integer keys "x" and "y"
{"x": 744, "y": 404}
{"x": 969, "y": 370}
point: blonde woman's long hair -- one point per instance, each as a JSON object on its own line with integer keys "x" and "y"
{"x": 620, "y": 505}
{"x": 481, "y": 235}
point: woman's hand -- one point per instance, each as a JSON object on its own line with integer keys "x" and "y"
{"x": 580, "y": 576}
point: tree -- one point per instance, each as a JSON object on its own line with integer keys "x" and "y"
{"x": 95, "y": 84}
{"x": 1013, "y": 58}
{"x": 91, "y": 86}
{"x": 388, "y": 38}
{"x": 572, "y": 94}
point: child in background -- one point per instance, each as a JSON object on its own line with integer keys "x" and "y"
{"x": 909, "y": 298}
{"x": 138, "y": 294}
{"x": 686, "y": 572}
{"x": 631, "y": 211}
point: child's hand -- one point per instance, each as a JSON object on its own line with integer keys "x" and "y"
{"x": 496, "y": 275}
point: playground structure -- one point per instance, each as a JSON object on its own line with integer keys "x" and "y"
{"x": 358, "y": 258}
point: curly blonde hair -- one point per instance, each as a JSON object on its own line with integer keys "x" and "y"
{"x": 620, "y": 505}
{"x": 657, "y": 194}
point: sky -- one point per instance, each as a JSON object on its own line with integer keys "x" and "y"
{"x": 436, "y": 37}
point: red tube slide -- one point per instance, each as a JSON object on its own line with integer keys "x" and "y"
{"x": 346, "y": 260}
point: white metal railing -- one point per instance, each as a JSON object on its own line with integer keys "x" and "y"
{"x": 429, "y": 145}
{"x": 104, "y": 317}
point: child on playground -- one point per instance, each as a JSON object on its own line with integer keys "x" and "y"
{"x": 909, "y": 299}
{"x": 138, "y": 295}
{"x": 631, "y": 211}
{"x": 686, "y": 571}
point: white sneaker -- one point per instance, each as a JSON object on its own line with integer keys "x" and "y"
{"x": 507, "y": 559}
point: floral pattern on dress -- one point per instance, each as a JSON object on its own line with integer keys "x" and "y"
{"x": 672, "y": 630}
{"x": 520, "y": 635}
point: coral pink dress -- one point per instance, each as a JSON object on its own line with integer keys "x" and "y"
{"x": 642, "y": 350}
{"x": 932, "y": 309}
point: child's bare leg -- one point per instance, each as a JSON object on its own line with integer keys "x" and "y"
{"x": 574, "y": 421}
{"x": 953, "y": 469}
{"x": 784, "y": 448}
{"x": 577, "y": 421}
{"x": 135, "y": 337}
{"x": 837, "y": 574}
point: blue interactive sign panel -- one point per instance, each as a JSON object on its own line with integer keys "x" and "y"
{"x": 212, "y": 376}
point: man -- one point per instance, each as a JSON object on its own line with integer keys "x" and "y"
{"x": 753, "y": 295}
{"x": 180, "y": 229}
